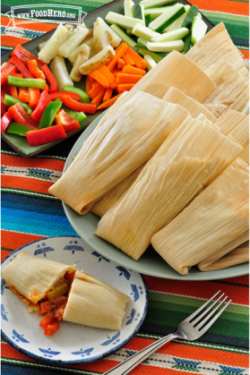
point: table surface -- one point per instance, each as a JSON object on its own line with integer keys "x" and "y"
{"x": 30, "y": 213}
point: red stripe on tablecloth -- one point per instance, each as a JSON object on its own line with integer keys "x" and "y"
{"x": 245, "y": 53}
{"x": 36, "y": 26}
{"x": 17, "y": 161}
{"x": 29, "y": 184}
{"x": 14, "y": 240}
{"x": 225, "y": 6}
{"x": 203, "y": 289}
{"x": 12, "y": 41}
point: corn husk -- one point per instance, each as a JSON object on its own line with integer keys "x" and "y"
{"x": 209, "y": 263}
{"x": 195, "y": 108}
{"x": 237, "y": 256}
{"x": 105, "y": 203}
{"x": 128, "y": 135}
{"x": 215, "y": 46}
{"x": 32, "y": 277}
{"x": 176, "y": 70}
{"x": 185, "y": 163}
{"x": 94, "y": 303}
{"x": 212, "y": 220}
{"x": 230, "y": 86}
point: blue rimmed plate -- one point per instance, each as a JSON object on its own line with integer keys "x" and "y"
{"x": 72, "y": 343}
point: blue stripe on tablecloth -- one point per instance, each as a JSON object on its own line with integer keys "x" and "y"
{"x": 17, "y": 370}
{"x": 47, "y": 220}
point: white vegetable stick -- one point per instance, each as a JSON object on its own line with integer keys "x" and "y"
{"x": 83, "y": 56}
{"x": 68, "y": 47}
{"x": 101, "y": 39}
{"x": 176, "y": 45}
{"x": 51, "y": 48}
{"x": 98, "y": 60}
{"x": 60, "y": 72}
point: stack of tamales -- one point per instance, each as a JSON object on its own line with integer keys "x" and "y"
{"x": 167, "y": 163}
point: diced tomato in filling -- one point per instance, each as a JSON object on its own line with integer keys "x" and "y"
{"x": 70, "y": 276}
{"x": 47, "y": 319}
{"x": 58, "y": 313}
{"x": 51, "y": 328}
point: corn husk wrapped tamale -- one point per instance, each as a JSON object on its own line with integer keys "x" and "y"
{"x": 213, "y": 219}
{"x": 129, "y": 136}
{"x": 186, "y": 162}
{"x": 176, "y": 70}
{"x": 105, "y": 203}
{"x": 195, "y": 108}
{"x": 215, "y": 46}
{"x": 209, "y": 263}
{"x": 94, "y": 303}
{"x": 236, "y": 124}
{"x": 31, "y": 277}
{"x": 230, "y": 85}
{"x": 237, "y": 256}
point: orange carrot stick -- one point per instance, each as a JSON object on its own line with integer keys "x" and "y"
{"x": 108, "y": 95}
{"x": 125, "y": 87}
{"x": 108, "y": 103}
{"x": 88, "y": 84}
{"x": 116, "y": 70}
{"x": 121, "y": 63}
{"x": 23, "y": 94}
{"x": 99, "y": 78}
{"x": 95, "y": 91}
{"x": 108, "y": 75}
{"x": 127, "y": 78}
{"x": 97, "y": 100}
{"x": 119, "y": 53}
{"x": 132, "y": 70}
{"x": 139, "y": 61}
{"x": 128, "y": 60}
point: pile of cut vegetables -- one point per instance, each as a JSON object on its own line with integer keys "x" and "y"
{"x": 40, "y": 102}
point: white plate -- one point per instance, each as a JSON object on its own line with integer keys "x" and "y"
{"x": 72, "y": 343}
{"x": 150, "y": 263}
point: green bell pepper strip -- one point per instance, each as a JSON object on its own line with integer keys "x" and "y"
{"x": 49, "y": 114}
{"x": 26, "y": 82}
{"x": 9, "y": 100}
{"x": 79, "y": 116}
{"x": 83, "y": 95}
{"x": 18, "y": 129}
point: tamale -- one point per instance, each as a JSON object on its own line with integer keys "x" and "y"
{"x": 94, "y": 303}
{"x": 230, "y": 86}
{"x": 215, "y": 46}
{"x": 31, "y": 277}
{"x": 213, "y": 219}
{"x": 118, "y": 146}
{"x": 186, "y": 162}
{"x": 209, "y": 263}
{"x": 176, "y": 70}
{"x": 176, "y": 96}
{"x": 237, "y": 256}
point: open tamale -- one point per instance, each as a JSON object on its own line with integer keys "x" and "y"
{"x": 214, "y": 218}
{"x": 230, "y": 85}
{"x": 176, "y": 70}
{"x": 131, "y": 134}
{"x": 186, "y": 162}
{"x": 215, "y": 46}
{"x": 195, "y": 108}
{"x": 210, "y": 262}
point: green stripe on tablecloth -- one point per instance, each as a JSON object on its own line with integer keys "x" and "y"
{"x": 28, "y": 193}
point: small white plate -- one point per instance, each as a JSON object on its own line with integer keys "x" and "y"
{"x": 72, "y": 343}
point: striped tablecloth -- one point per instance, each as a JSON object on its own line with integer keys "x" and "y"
{"x": 29, "y": 213}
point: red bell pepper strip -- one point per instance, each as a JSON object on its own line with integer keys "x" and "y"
{"x": 25, "y": 56}
{"x": 51, "y": 328}
{"x": 5, "y": 121}
{"x": 34, "y": 70}
{"x": 3, "y": 93}
{"x": 44, "y": 100}
{"x": 21, "y": 116}
{"x": 34, "y": 97}
{"x": 20, "y": 67}
{"x": 23, "y": 95}
{"x": 69, "y": 123}
{"x": 77, "y": 106}
{"x": 45, "y": 88}
{"x": 50, "y": 78}
{"x": 6, "y": 70}
{"x": 45, "y": 135}
{"x": 57, "y": 95}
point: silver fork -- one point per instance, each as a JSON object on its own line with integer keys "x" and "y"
{"x": 190, "y": 329}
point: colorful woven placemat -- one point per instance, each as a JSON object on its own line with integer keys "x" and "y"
{"x": 29, "y": 213}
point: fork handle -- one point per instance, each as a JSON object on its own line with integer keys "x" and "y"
{"x": 126, "y": 366}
